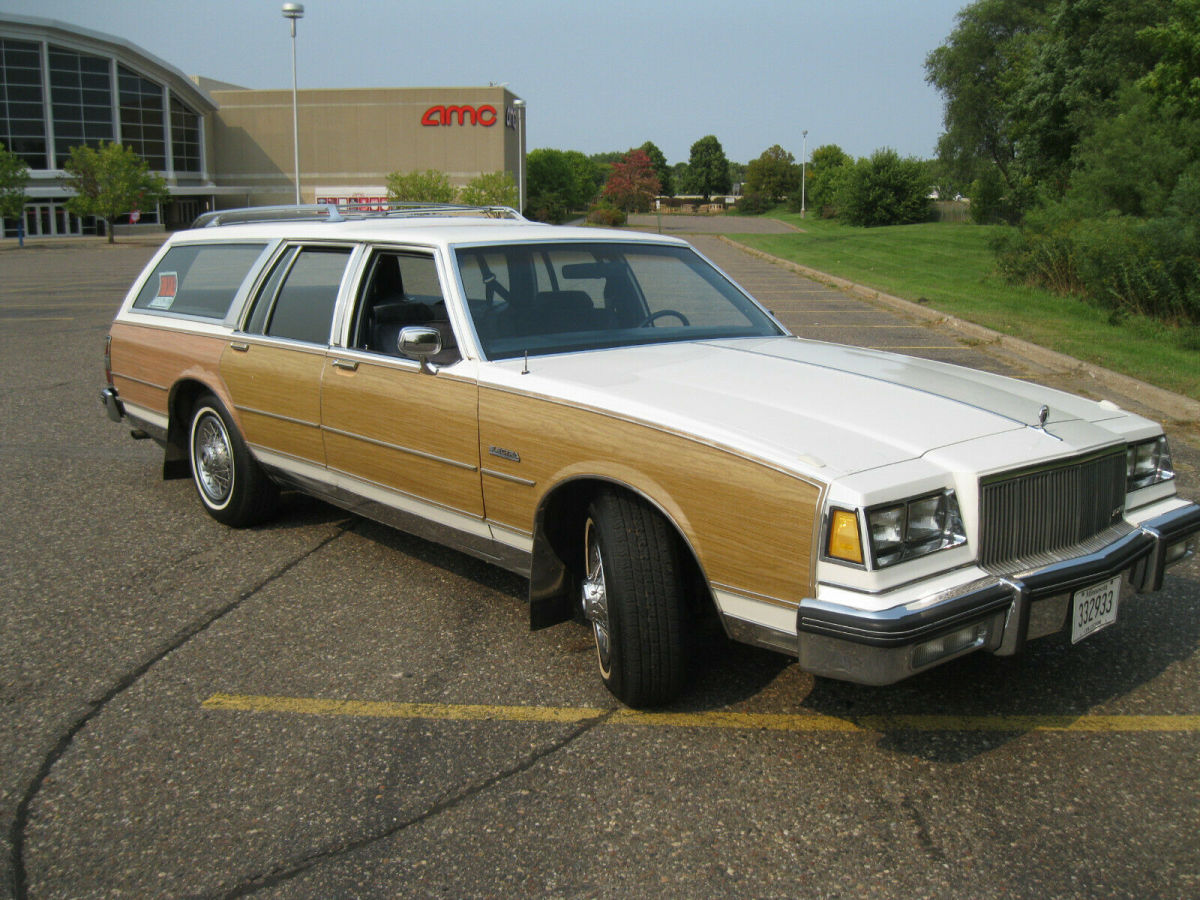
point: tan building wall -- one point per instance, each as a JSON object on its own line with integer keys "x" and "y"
{"x": 351, "y": 139}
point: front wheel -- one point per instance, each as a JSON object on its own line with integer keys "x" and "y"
{"x": 633, "y": 597}
{"x": 231, "y": 486}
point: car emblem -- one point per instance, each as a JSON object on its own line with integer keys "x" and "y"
{"x": 1043, "y": 415}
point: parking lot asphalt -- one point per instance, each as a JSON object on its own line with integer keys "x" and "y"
{"x": 323, "y": 707}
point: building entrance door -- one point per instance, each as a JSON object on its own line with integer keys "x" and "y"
{"x": 51, "y": 220}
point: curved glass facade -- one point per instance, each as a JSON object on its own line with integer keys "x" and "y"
{"x": 22, "y": 111}
{"x": 60, "y": 89}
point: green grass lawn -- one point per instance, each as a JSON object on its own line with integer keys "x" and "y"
{"x": 950, "y": 268}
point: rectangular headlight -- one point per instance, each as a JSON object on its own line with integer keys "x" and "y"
{"x": 1148, "y": 463}
{"x": 916, "y": 527}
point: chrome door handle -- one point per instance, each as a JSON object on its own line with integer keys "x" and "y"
{"x": 238, "y": 345}
{"x": 347, "y": 364}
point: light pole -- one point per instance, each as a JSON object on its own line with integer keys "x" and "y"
{"x": 803, "y": 172}
{"x": 294, "y": 11}
{"x": 519, "y": 106}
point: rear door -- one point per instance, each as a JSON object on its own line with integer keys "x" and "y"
{"x": 274, "y": 364}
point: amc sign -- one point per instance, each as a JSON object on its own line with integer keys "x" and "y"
{"x": 460, "y": 115}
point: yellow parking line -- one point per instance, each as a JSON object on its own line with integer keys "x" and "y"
{"x": 799, "y": 722}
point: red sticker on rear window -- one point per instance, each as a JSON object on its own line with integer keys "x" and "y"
{"x": 168, "y": 284}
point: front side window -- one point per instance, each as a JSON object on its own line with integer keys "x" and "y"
{"x": 401, "y": 289}
{"x": 553, "y": 298}
{"x": 298, "y": 298}
{"x": 198, "y": 280}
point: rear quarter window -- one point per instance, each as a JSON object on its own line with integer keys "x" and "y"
{"x": 198, "y": 280}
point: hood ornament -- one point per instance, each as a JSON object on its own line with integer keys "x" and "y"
{"x": 1043, "y": 415}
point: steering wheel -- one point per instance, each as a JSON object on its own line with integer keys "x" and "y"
{"x": 654, "y": 317}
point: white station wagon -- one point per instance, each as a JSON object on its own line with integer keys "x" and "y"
{"x": 608, "y": 414}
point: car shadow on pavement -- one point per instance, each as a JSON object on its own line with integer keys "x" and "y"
{"x": 997, "y": 697}
{"x": 1051, "y": 681}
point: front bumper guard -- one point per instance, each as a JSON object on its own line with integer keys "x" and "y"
{"x": 996, "y": 613}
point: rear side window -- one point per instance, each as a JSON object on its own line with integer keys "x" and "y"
{"x": 298, "y": 298}
{"x": 198, "y": 280}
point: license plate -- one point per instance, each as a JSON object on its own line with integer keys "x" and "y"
{"x": 1094, "y": 608}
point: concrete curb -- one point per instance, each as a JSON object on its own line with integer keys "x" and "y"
{"x": 1175, "y": 408}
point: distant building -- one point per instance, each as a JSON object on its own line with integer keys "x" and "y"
{"x": 220, "y": 145}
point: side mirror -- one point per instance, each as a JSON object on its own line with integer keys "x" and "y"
{"x": 421, "y": 343}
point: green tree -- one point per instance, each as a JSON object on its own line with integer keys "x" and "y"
{"x": 550, "y": 185}
{"x": 559, "y": 182}
{"x": 826, "y": 171}
{"x": 14, "y": 175}
{"x": 661, "y": 169}
{"x": 978, "y": 71}
{"x": 587, "y": 178}
{"x": 708, "y": 169}
{"x": 430, "y": 186}
{"x": 490, "y": 189}
{"x": 885, "y": 189}
{"x": 1088, "y": 51}
{"x": 773, "y": 175}
{"x": 109, "y": 181}
{"x": 633, "y": 184}
{"x": 1175, "y": 79}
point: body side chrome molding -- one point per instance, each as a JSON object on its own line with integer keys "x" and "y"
{"x": 470, "y": 467}
{"x": 504, "y": 476}
{"x": 270, "y": 415}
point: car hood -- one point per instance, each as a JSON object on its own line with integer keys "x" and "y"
{"x": 827, "y": 408}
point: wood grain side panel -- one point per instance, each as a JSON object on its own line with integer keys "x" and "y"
{"x": 147, "y": 362}
{"x": 276, "y": 391}
{"x": 752, "y": 526}
{"x": 405, "y": 429}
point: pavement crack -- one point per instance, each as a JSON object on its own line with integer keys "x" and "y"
{"x": 197, "y": 627}
{"x": 924, "y": 838}
{"x": 283, "y": 874}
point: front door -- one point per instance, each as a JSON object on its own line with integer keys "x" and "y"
{"x": 395, "y": 434}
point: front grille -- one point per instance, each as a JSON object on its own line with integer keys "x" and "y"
{"x": 1027, "y": 518}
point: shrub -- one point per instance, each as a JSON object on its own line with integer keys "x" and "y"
{"x": 754, "y": 204}
{"x": 608, "y": 216}
{"x": 884, "y": 189}
{"x": 490, "y": 189}
{"x": 1120, "y": 263}
{"x": 430, "y": 186}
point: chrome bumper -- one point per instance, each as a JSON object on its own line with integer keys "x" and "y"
{"x": 997, "y": 614}
{"x": 112, "y": 404}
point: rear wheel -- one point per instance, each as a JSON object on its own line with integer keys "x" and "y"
{"x": 633, "y": 597}
{"x": 231, "y": 485}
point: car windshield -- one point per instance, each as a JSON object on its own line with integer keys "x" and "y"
{"x": 556, "y": 297}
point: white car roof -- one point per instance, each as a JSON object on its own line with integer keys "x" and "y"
{"x": 429, "y": 230}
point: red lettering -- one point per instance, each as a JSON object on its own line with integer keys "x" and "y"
{"x": 462, "y": 112}
{"x": 447, "y": 115}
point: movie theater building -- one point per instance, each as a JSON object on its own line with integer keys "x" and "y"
{"x": 220, "y": 145}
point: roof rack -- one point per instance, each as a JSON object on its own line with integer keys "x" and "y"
{"x": 343, "y": 212}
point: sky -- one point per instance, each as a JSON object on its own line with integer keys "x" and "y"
{"x": 596, "y": 75}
